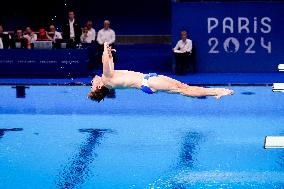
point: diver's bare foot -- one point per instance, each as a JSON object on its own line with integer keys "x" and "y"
{"x": 223, "y": 92}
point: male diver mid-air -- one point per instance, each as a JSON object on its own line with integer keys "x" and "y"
{"x": 148, "y": 83}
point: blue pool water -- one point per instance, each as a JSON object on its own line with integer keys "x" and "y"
{"x": 56, "y": 138}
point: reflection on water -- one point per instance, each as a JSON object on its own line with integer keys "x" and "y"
{"x": 186, "y": 176}
{"x": 77, "y": 170}
{"x": 189, "y": 148}
{"x": 280, "y": 161}
{"x": 3, "y": 131}
{"x": 220, "y": 179}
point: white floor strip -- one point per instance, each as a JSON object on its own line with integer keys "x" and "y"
{"x": 274, "y": 142}
{"x": 278, "y": 87}
{"x": 281, "y": 67}
{"x": 223, "y": 178}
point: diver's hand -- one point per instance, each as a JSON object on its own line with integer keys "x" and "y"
{"x": 108, "y": 50}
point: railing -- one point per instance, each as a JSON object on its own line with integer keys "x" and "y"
{"x": 135, "y": 39}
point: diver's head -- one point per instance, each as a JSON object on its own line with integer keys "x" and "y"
{"x": 99, "y": 91}
{"x": 98, "y": 94}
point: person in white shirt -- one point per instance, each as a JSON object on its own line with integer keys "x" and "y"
{"x": 106, "y": 34}
{"x": 89, "y": 33}
{"x": 30, "y": 36}
{"x": 88, "y": 40}
{"x": 55, "y": 34}
{"x": 1, "y": 43}
{"x": 184, "y": 44}
{"x": 183, "y": 51}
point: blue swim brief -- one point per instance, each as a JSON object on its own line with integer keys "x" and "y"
{"x": 145, "y": 87}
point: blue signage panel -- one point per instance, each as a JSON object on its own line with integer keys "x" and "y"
{"x": 232, "y": 37}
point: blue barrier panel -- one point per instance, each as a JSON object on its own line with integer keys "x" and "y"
{"x": 144, "y": 57}
{"x": 43, "y": 63}
{"x": 233, "y": 37}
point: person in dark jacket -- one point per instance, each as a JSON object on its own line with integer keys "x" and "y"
{"x": 19, "y": 41}
{"x": 72, "y": 30}
{"x": 5, "y": 38}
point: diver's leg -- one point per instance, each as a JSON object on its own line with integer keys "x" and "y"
{"x": 202, "y": 91}
{"x": 176, "y": 86}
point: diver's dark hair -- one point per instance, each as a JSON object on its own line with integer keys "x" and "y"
{"x": 99, "y": 94}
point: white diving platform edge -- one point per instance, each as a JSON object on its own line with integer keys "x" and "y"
{"x": 281, "y": 67}
{"x": 274, "y": 142}
{"x": 278, "y": 87}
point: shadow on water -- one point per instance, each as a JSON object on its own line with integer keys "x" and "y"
{"x": 248, "y": 93}
{"x": 3, "y": 131}
{"x": 77, "y": 170}
{"x": 20, "y": 91}
{"x": 280, "y": 161}
{"x": 202, "y": 97}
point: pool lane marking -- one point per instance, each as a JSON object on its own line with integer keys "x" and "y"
{"x": 274, "y": 142}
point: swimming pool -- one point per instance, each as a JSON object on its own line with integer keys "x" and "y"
{"x": 56, "y": 138}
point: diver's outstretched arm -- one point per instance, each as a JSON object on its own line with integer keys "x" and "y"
{"x": 107, "y": 60}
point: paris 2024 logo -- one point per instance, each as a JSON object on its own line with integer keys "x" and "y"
{"x": 249, "y": 34}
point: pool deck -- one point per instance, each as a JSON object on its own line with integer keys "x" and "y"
{"x": 193, "y": 79}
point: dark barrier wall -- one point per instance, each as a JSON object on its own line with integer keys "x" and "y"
{"x": 68, "y": 63}
{"x": 233, "y": 37}
{"x": 64, "y": 63}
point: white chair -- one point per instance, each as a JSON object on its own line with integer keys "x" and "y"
{"x": 278, "y": 87}
{"x": 281, "y": 67}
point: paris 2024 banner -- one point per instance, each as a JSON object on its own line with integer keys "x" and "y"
{"x": 232, "y": 37}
